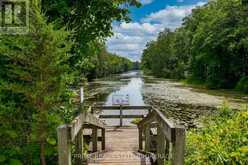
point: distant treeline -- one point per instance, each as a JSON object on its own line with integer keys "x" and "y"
{"x": 211, "y": 47}
{"x": 102, "y": 63}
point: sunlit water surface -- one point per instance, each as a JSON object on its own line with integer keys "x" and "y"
{"x": 133, "y": 90}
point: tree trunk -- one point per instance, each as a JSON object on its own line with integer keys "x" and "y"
{"x": 42, "y": 153}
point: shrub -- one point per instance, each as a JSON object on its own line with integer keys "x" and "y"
{"x": 223, "y": 140}
{"x": 243, "y": 85}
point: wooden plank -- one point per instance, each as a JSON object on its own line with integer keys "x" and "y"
{"x": 140, "y": 138}
{"x": 167, "y": 149}
{"x": 166, "y": 125}
{"x": 76, "y": 126}
{"x": 64, "y": 146}
{"x": 81, "y": 95}
{"x": 160, "y": 146}
{"x": 168, "y": 131}
{"x": 103, "y": 139}
{"x": 147, "y": 138}
{"x": 84, "y": 118}
{"x": 94, "y": 139}
{"x": 117, "y": 107}
{"x": 178, "y": 147}
{"x": 79, "y": 148}
{"x": 164, "y": 119}
{"x": 91, "y": 119}
{"x": 119, "y": 116}
{"x": 148, "y": 119}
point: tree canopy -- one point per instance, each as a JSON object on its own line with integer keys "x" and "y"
{"x": 210, "y": 47}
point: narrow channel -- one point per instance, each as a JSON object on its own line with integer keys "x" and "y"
{"x": 179, "y": 103}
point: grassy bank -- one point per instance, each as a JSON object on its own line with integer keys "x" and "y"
{"x": 222, "y": 140}
{"x": 228, "y": 93}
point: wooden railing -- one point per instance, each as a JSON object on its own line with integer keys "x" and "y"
{"x": 167, "y": 134}
{"x": 121, "y": 108}
{"x": 73, "y": 133}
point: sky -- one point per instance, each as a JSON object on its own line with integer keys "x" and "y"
{"x": 129, "y": 39}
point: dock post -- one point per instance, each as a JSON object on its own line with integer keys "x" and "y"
{"x": 79, "y": 148}
{"x": 121, "y": 117}
{"x": 94, "y": 139}
{"x": 140, "y": 138}
{"x": 147, "y": 138}
{"x": 160, "y": 146}
{"x": 64, "y": 145}
{"x": 103, "y": 139}
{"x": 178, "y": 147}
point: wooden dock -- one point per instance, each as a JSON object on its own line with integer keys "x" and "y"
{"x": 122, "y": 145}
{"x": 121, "y": 148}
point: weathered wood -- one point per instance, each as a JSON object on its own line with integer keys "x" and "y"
{"x": 147, "y": 138}
{"x": 148, "y": 119}
{"x": 160, "y": 146}
{"x": 125, "y": 107}
{"x": 140, "y": 138}
{"x": 167, "y": 149}
{"x": 167, "y": 130}
{"x": 166, "y": 125}
{"x": 103, "y": 139}
{"x": 168, "y": 133}
{"x": 91, "y": 119}
{"x": 178, "y": 147}
{"x": 76, "y": 126}
{"x": 83, "y": 118}
{"x": 94, "y": 139}
{"x": 120, "y": 116}
{"x": 81, "y": 95}
{"x": 64, "y": 146}
{"x": 156, "y": 115}
{"x": 79, "y": 148}
{"x": 122, "y": 144}
{"x": 68, "y": 134}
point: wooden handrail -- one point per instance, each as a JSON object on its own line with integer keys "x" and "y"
{"x": 126, "y": 107}
{"x": 73, "y": 132}
{"x": 121, "y": 108}
{"x": 167, "y": 133}
{"x": 84, "y": 118}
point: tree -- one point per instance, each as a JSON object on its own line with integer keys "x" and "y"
{"x": 90, "y": 21}
{"x": 211, "y": 45}
{"x": 34, "y": 77}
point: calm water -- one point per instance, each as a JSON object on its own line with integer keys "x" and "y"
{"x": 180, "y": 104}
{"x": 133, "y": 90}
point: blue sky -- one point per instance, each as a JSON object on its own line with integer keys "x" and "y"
{"x": 130, "y": 39}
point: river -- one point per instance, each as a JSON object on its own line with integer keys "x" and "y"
{"x": 181, "y": 104}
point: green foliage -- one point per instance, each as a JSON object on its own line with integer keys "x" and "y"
{"x": 211, "y": 46}
{"x": 100, "y": 63}
{"x": 91, "y": 23}
{"x": 243, "y": 84}
{"x": 223, "y": 140}
{"x": 136, "y": 121}
{"x": 161, "y": 57}
{"x": 33, "y": 81}
{"x": 38, "y": 70}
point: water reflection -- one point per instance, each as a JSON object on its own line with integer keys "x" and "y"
{"x": 134, "y": 90}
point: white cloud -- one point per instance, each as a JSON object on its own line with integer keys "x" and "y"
{"x": 146, "y": 2}
{"x": 130, "y": 38}
{"x": 171, "y": 17}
